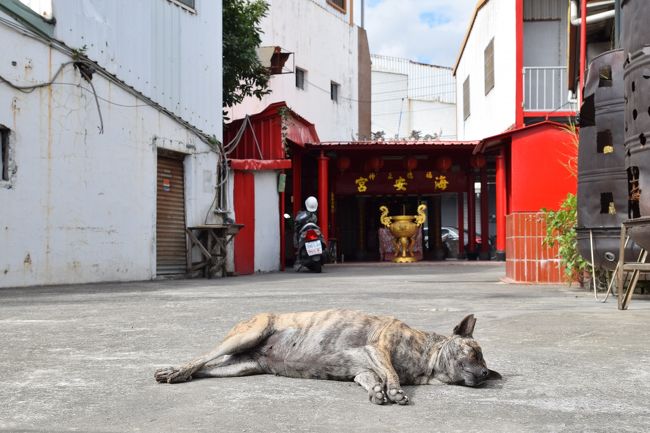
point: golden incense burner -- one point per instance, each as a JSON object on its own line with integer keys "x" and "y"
{"x": 403, "y": 228}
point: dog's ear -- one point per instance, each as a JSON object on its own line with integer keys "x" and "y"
{"x": 466, "y": 327}
{"x": 494, "y": 375}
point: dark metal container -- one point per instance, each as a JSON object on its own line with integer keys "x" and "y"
{"x": 606, "y": 242}
{"x": 638, "y": 174}
{"x": 637, "y": 96}
{"x": 601, "y": 115}
{"x": 602, "y": 179}
{"x": 602, "y": 198}
{"x": 635, "y": 16}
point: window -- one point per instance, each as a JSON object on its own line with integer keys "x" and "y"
{"x": 466, "y": 98}
{"x": 338, "y": 4}
{"x": 488, "y": 57}
{"x": 186, "y": 4}
{"x": 300, "y": 78}
{"x": 334, "y": 91}
{"x": 4, "y": 153}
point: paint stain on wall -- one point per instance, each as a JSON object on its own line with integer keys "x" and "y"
{"x": 27, "y": 263}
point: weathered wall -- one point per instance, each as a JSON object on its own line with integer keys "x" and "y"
{"x": 81, "y": 206}
{"x": 155, "y": 46}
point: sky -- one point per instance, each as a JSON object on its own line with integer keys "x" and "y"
{"x": 427, "y": 31}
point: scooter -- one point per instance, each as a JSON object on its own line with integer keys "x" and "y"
{"x": 311, "y": 249}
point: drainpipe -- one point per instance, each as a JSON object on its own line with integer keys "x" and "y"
{"x": 617, "y": 24}
{"x": 583, "y": 46}
{"x": 601, "y": 16}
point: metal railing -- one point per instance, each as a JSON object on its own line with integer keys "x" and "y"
{"x": 545, "y": 89}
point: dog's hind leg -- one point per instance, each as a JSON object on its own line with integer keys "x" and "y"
{"x": 232, "y": 366}
{"x": 243, "y": 336}
{"x": 372, "y": 383}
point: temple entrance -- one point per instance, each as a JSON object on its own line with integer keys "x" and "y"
{"x": 361, "y": 236}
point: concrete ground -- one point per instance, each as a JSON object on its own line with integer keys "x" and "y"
{"x": 81, "y": 358}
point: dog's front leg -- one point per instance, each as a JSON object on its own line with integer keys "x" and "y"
{"x": 372, "y": 383}
{"x": 380, "y": 359}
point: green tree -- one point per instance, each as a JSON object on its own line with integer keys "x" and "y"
{"x": 243, "y": 74}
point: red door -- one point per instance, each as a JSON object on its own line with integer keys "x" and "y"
{"x": 244, "y": 198}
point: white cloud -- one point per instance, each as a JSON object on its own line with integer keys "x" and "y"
{"x": 430, "y": 31}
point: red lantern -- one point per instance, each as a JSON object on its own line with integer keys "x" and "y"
{"x": 375, "y": 163}
{"x": 443, "y": 163}
{"x": 477, "y": 161}
{"x": 411, "y": 163}
{"x": 343, "y": 163}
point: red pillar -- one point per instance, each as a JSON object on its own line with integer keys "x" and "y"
{"x": 471, "y": 216}
{"x": 461, "y": 225}
{"x": 332, "y": 204}
{"x": 323, "y": 195}
{"x": 296, "y": 166}
{"x": 485, "y": 213}
{"x": 501, "y": 204}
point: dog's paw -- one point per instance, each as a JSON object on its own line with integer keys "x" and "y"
{"x": 172, "y": 375}
{"x": 377, "y": 395}
{"x": 398, "y": 396}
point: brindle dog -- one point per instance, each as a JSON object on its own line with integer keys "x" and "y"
{"x": 379, "y": 353}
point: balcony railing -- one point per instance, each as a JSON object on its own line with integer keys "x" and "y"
{"x": 545, "y": 89}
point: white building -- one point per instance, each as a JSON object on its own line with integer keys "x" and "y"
{"x": 322, "y": 73}
{"x": 512, "y": 67}
{"x": 108, "y": 121}
{"x": 410, "y": 96}
{"x": 326, "y": 77}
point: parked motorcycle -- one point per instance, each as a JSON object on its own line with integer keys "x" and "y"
{"x": 311, "y": 248}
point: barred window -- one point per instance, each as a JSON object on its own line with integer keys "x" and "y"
{"x": 488, "y": 56}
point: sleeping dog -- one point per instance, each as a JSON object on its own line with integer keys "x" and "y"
{"x": 380, "y": 353}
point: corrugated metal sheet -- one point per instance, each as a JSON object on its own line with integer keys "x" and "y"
{"x": 170, "y": 222}
{"x": 425, "y": 82}
{"x": 545, "y": 9}
{"x": 156, "y": 47}
{"x": 263, "y": 137}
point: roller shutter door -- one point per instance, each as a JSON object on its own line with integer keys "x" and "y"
{"x": 170, "y": 221}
